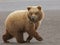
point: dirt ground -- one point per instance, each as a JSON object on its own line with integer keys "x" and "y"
{"x": 49, "y": 29}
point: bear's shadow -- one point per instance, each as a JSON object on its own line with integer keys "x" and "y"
{"x": 15, "y": 43}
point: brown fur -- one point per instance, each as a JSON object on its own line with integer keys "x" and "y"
{"x": 19, "y": 22}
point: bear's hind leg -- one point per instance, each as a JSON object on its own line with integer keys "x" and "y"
{"x": 6, "y": 37}
{"x": 19, "y": 37}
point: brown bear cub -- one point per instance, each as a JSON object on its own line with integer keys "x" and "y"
{"x": 21, "y": 21}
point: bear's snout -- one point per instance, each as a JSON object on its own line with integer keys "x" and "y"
{"x": 33, "y": 17}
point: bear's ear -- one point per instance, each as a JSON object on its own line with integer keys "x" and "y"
{"x": 39, "y": 7}
{"x": 28, "y": 8}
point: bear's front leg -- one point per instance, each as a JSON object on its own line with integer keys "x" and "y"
{"x": 32, "y": 33}
{"x": 29, "y": 38}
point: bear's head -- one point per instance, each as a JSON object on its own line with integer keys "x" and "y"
{"x": 34, "y": 13}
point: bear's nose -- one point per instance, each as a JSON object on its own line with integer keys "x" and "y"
{"x": 33, "y": 17}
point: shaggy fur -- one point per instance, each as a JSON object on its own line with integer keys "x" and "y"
{"x": 21, "y": 21}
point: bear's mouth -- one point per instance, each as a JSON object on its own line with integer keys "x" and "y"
{"x": 32, "y": 19}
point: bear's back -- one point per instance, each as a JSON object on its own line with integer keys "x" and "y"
{"x": 17, "y": 17}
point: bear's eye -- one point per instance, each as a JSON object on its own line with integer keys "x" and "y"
{"x": 30, "y": 13}
{"x": 36, "y": 13}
